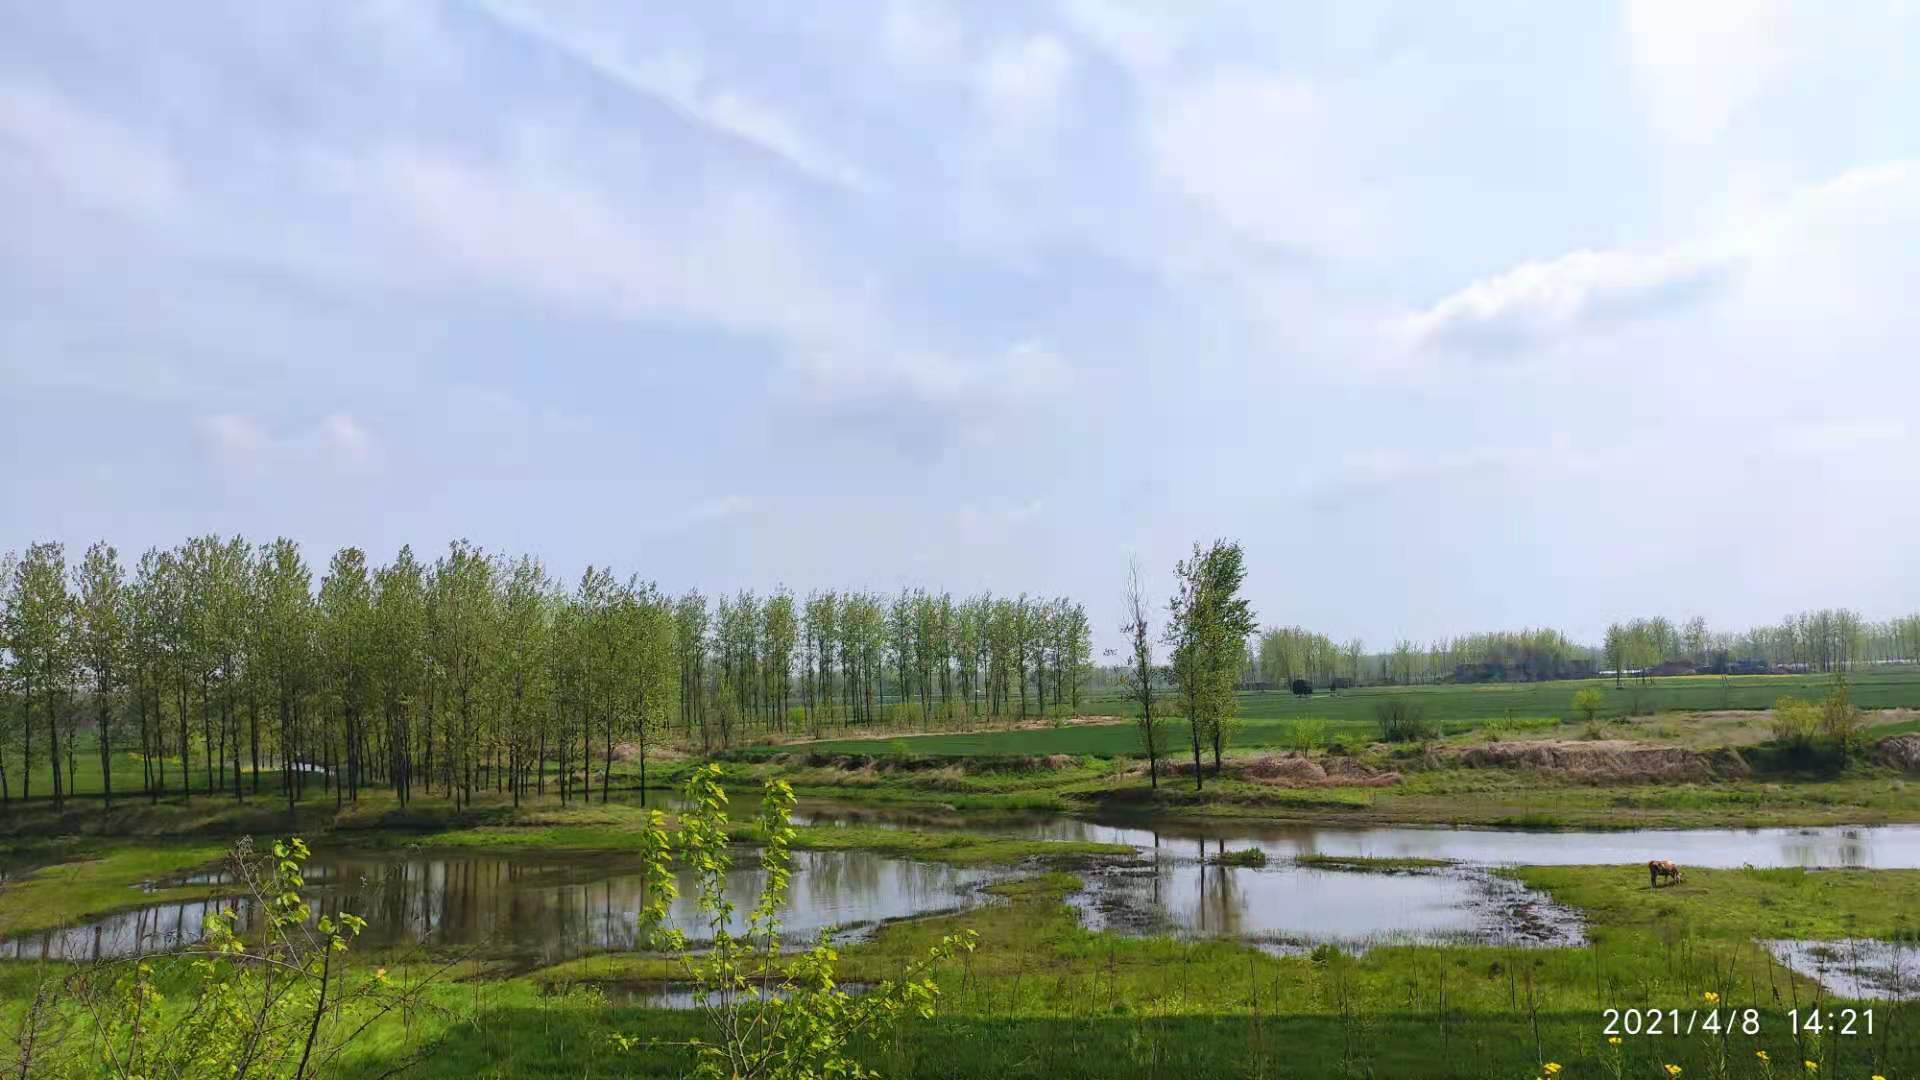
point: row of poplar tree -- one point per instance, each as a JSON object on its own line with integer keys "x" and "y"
{"x": 218, "y": 660}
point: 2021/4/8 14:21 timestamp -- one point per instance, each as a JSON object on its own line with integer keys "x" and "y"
{"x": 1747, "y": 1021}
{"x": 1831, "y": 1021}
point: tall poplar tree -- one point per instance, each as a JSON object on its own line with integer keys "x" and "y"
{"x": 102, "y": 638}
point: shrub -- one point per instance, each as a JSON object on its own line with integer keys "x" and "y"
{"x": 1840, "y": 722}
{"x": 1795, "y": 722}
{"x": 780, "y": 1021}
{"x": 275, "y": 1000}
{"x": 1306, "y": 734}
{"x": 1402, "y": 721}
{"x": 1587, "y": 702}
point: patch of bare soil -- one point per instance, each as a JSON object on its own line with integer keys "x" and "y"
{"x": 1900, "y": 751}
{"x": 1295, "y": 770}
{"x": 1599, "y": 761}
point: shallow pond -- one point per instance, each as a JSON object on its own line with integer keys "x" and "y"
{"x": 1862, "y": 969}
{"x": 1288, "y": 907}
{"x": 536, "y": 907}
{"x": 1876, "y": 847}
{"x": 530, "y": 906}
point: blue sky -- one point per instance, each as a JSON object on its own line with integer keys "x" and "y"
{"x": 1457, "y": 316}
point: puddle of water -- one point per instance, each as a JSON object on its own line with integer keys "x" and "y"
{"x": 537, "y": 907}
{"x": 1294, "y": 906}
{"x": 1858, "y": 969}
{"x": 1875, "y": 847}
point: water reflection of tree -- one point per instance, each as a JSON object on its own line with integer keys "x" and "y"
{"x": 1220, "y": 907}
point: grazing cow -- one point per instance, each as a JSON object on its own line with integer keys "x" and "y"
{"x": 1661, "y": 868}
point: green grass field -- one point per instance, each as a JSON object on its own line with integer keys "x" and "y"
{"x": 1463, "y": 703}
{"x": 1268, "y": 719}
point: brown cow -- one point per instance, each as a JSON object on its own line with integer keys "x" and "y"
{"x": 1661, "y": 868}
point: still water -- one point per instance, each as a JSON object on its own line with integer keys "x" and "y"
{"x": 529, "y": 906}
{"x": 1877, "y": 847}
{"x": 541, "y": 907}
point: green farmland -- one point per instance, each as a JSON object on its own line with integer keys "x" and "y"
{"x": 1272, "y": 718}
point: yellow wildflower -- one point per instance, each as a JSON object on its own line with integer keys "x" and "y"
{"x": 1812, "y": 1066}
{"x": 1552, "y": 1068}
{"x": 1613, "y": 1040}
{"x": 1711, "y": 997}
{"x": 1762, "y": 1055}
{"x": 1673, "y": 1070}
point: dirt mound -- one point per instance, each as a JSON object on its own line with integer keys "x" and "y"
{"x": 1600, "y": 761}
{"x": 1295, "y": 770}
{"x": 1900, "y": 751}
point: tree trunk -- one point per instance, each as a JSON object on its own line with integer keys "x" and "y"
{"x": 1193, "y": 725}
{"x": 105, "y": 738}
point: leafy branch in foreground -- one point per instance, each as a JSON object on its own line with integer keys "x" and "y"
{"x": 767, "y": 1020}
{"x": 284, "y": 1004}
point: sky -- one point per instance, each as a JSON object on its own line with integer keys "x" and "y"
{"x": 1457, "y": 317}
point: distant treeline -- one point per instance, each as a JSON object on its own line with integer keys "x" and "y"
{"x": 218, "y": 660}
{"x": 1828, "y": 640}
{"x": 1284, "y": 654}
{"x": 1831, "y": 639}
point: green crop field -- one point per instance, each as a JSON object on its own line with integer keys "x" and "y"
{"x": 1100, "y": 740}
{"x": 1447, "y": 702}
{"x": 1273, "y": 719}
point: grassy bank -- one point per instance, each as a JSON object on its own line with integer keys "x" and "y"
{"x": 51, "y": 884}
{"x": 1426, "y": 794}
{"x": 1044, "y": 997}
{"x": 67, "y": 883}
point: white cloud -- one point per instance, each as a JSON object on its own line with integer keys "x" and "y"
{"x": 996, "y": 521}
{"x": 980, "y": 386}
{"x": 236, "y": 438}
{"x": 1020, "y": 82}
{"x": 704, "y": 512}
{"x": 84, "y": 157}
{"x": 1842, "y": 438}
{"x": 1698, "y": 64}
{"x": 679, "y": 80}
{"x": 1142, "y": 35}
{"x": 921, "y": 36}
{"x": 1266, "y": 155}
{"x": 1829, "y": 249}
{"x": 730, "y": 259}
{"x": 1538, "y": 300}
{"x": 242, "y": 445}
{"x": 344, "y": 436}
